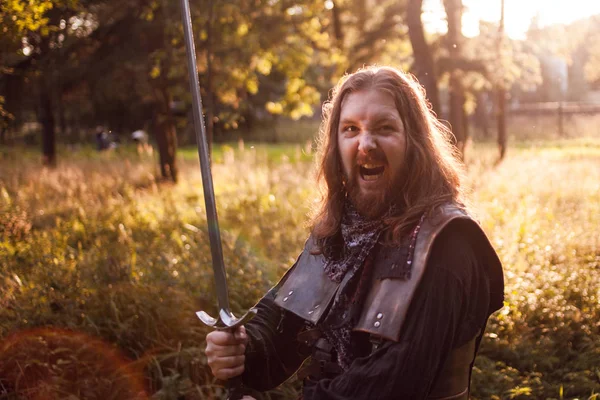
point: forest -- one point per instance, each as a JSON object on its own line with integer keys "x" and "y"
{"x": 104, "y": 250}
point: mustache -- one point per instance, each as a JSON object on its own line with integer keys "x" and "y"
{"x": 373, "y": 157}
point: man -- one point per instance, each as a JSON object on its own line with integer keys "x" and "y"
{"x": 392, "y": 292}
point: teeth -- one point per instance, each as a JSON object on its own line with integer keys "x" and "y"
{"x": 370, "y": 166}
{"x": 371, "y": 172}
{"x": 370, "y": 177}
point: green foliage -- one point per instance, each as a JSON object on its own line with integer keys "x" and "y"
{"x": 17, "y": 17}
{"x": 102, "y": 269}
{"x": 575, "y": 44}
{"x": 592, "y": 65}
{"x": 514, "y": 64}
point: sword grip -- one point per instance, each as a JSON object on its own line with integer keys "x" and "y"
{"x": 227, "y": 321}
{"x": 235, "y": 388}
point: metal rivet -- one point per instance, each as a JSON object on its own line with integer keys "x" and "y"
{"x": 379, "y": 316}
{"x": 409, "y": 262}
{"x": 285, "y": 299}
{"x": 317, "y": 306}
{"x": 310, "y": 312}
{"x": 377, "y": 324}
{"x": 290, "y": 293}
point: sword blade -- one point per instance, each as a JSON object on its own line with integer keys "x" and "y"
{"x": 216, "y": 249}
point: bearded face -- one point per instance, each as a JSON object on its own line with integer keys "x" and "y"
{"x": 372, "y": 146}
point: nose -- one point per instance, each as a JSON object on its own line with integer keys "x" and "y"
{"x": 366, "y": 143}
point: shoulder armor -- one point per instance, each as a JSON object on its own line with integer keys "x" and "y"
{"x": 306, "y": 290}
{"x": 388, "y": 301}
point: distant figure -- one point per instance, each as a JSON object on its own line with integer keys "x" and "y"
{"x": 102, "y": 142}
{"x": 140, "y": 137}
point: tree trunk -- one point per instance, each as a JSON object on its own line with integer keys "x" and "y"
{"x": 46, "y": 118}
{"x": 501, "y": 90}
{"x": 501, "y": 120}
{"x": 457, "y": 93}
{"x": 456, "y": 116}
{"x": 481, "y": 114}
{"x": 164, "y": 122}
{"x": 361, "y": 14}
{"x": 337, "y": 25}
{"x": 166, "y": 141}
{"x": 62, "y": 120}
{"x": 423, "y": 66}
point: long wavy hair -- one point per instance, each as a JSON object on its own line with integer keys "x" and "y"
{"x": 432, "y": 167}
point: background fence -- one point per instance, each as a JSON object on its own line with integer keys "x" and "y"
{"x": 554, "y": 120}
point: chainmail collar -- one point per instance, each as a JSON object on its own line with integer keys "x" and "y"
{"x": 360, "y": 236}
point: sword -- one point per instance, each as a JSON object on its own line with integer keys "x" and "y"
{"x": 225, "y": 320}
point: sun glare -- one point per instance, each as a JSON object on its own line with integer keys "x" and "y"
{"x": 518, "y": 14}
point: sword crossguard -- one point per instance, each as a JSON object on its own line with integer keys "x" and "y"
{"x": 226, "y": 319}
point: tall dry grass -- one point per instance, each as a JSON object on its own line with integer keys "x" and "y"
{"x": 102, "y": 268}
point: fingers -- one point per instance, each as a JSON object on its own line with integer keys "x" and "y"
{"x": 225, "y": 366}
{"x": 230, "y": 362}
{"x": 225, "y": 352}
{"x": 228, "y": 367}
{"x": 240, "y": 334}
{"x": 228, "y": 373}
{"x": 225, "y": 338}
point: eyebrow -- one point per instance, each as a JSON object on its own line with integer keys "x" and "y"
{"x": 386, "y": 117}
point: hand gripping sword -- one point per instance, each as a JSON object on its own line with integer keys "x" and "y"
{"x": 225, "y": 320}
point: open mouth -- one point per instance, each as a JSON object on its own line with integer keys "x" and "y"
{"x": 371, "y": 172}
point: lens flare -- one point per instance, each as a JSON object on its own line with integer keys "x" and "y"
{"x": 52, "y": 363}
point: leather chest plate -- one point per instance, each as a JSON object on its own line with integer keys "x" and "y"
{"x": 306, "y": 290}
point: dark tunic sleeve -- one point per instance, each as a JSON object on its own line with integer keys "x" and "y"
{"x": 273, "y": 353}
{"x": 451, "y": 306}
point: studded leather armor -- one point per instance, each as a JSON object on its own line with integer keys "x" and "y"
{"x": 307, "y": 292}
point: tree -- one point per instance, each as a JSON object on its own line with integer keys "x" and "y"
{"x": 589, "y": 50}
{"x": 47, "y": 57}
{"x": 137, "y": 45}
{"x": 43, "y": 62}
{"x": 122, "y": 64}
{"x": 509, "y": 67}
{"x": 16, "y": 21}
{"x": 454, "y": 44}
{"x": 592, "y": 65}
{"x": 424, "y": 65}
{"x": 572, "y": 46}
{"x": 373, "y": 32}
{"x": 501, "y": 90}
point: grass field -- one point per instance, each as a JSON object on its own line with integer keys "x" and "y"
{"x": 102, "y": 268}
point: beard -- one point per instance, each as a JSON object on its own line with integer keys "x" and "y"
{"x": 376, "y": 203}
{"x": 371, "y": 205}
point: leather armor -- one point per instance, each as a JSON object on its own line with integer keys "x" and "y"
{"x": 307, "y": 292}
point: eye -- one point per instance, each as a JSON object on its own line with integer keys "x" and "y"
{"x": 386, "y": 128}
{"x": 350, "y": 128}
